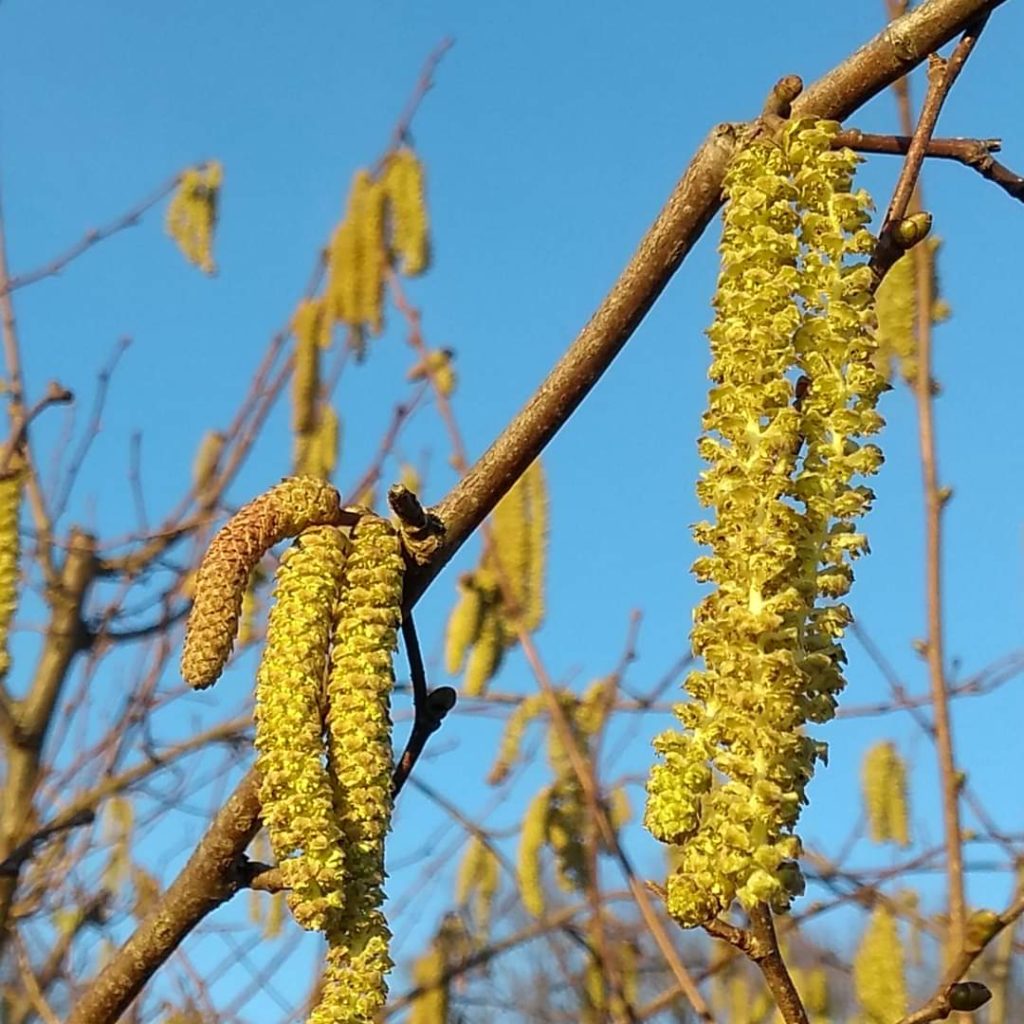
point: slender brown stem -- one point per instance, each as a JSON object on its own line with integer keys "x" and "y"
{"x": 773, "y": 967}
{"x": 973, "y": 153}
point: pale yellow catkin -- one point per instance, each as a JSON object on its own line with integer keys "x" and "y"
{"x": 404, "y": 187}
{"x": 10, "y": 552}
{"x": 464, "y": 622}
{"x": 306, "y": 375}
{"x": 531, "y": 841}
{"x": 192, "y": 214}
{"x": 488, "y": 652}
{"x": 205, "y": 465}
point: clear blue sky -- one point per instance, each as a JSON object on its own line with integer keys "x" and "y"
{"x": 553, "y": 135}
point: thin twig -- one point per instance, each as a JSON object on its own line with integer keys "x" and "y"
{"x": 90, "y": 238}
{"x": 973, "y": 153}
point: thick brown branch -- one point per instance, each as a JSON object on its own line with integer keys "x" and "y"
{"x": 213, "y": 874}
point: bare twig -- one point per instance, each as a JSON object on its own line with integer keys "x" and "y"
{"x": 91, "y": 238}
{"x": 973, "y": 153}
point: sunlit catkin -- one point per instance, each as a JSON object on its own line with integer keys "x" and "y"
{"x": 879, "y": 973}
{"x": 357, "y": 258}
{"x": 296, "y": 792}
{"x": 192, "y": 214}
{"x": 403, "y": 186}
{"x": 10, "y": 550}
{"x": 488, "y": 652}
{"x": 306, "y": 375}
{"x": 477, "y": 882}
{"x": 531, "y": 841}
{"x": 359, "y": 749}
{"x": 884, "y": 787}
{"x": 283, "y": 511}
{"x": 792, "y": 300}
{"x": 520, "y": 541}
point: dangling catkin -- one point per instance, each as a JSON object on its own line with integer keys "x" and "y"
{"x": 295, "y": 790}
{"x": 192, "y": 214}
{"x": 283, "y": 511}
{"x": 403, "y": 185}
{"x": 10, "y": 550}
{"x": 359, "y": 749}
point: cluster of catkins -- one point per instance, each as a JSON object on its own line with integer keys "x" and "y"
{"x": 192, "y": 214}
{"x": 385, "y": 225}
{"x": 558, "y": 816}
{"x": 323, "y": 727}
{"x": 505, "y": 593}
{"x": 794, "y": 393}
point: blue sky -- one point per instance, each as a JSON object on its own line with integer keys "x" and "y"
{"x": 552, "y": 137}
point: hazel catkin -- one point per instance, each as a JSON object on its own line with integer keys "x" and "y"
{"x": 283, "y": 511}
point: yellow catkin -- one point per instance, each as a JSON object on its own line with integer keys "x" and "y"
{"x": 431, "y": 1005}
{"x": 537, "y": 504}
{"x": 205, "y": 465}
{"x": 404, "y": 188}
{"x": 896, "y": 309}
{"x": 374, "y": 257}
{"x": 247, "y": 615}
{"x": 486, "y": 656}
{"x": 463, "y": 624}
{"x": 620, "y": 810}
{"x": 477, "y": 881}
{"x": 531, "y": 840}
{"x": 466, "y": 879}
{"x": 359, "y": 750}
{"x": 316, "y": 453}
{"x": 306, "y": 376}
{"x": 357, "y": 259}
{"x": 437, "y": 366}
{"x": 296, "y": 792}
{"x": 879, "y": 977}
{"x": 512, "y": 737}
{"x": 329, "y": 439}
{"x": 10, "y": 549}
{"x": 192, "y": 214}
{"x": 520, "y": 541}
{"x": 884, "y": 785}
{"x": 283, "y": 511}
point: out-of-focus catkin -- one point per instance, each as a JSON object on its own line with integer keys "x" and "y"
{"x": 896, "y": 302}
{"x": 192, "y": 214}
{"x": 520, "y": 541}
{"x": 531, "y": 842}
{"x": 283, "y": 511}
{"x": 306, "y": 375}
{"x": 884, "y": 787}
{"x": 11, "y": 487}
{"x": 463, "y": 627}
{"x": 879, "y": 972}
{"x": 205, "y": 465}
{"x": 404, "y": 187}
